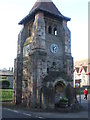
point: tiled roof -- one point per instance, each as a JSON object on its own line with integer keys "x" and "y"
{"x": 48, "y": 7}
{"x": 83, "y": 64}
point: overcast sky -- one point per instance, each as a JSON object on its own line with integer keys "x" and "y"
{"x": 12, "y": 11}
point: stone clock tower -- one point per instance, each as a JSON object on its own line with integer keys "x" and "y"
{"x": 44, "y": 65}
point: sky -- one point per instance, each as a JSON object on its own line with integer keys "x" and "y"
{"x": 12, "y": 11}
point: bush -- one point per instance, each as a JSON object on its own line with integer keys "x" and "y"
{"x": 62, "y": 103}
{"x": 4, "y": 83}
{"x": 63, "y": 100}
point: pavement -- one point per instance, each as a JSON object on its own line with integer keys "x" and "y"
{"x": 84, "y": 102}
{"x": 19, "y": 113}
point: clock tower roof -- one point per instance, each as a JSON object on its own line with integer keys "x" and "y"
{"x": 47, "y": 7}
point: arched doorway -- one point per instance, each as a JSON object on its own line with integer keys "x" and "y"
{"x": 59, "y": 90}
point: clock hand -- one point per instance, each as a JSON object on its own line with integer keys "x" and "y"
{"x": 55, "y": 48}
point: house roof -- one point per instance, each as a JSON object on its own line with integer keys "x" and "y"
{"x": 47, "y": 7}
{"x": 83, "y": 62}
{"x": 6, "y": 73}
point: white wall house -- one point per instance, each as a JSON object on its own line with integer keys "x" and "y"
{"x": 82, "y": 71}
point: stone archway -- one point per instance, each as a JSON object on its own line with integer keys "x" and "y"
{"x": 59, "y": 90}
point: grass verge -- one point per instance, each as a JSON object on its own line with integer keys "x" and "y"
{"x": 6, "y": 95}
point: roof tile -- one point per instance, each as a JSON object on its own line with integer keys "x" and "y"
{"x": 48, "y": 7}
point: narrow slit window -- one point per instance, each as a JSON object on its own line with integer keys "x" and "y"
{"x": 55, "y": 31}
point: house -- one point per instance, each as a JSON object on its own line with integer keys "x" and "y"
{"x": 82, "y": 71}
{"x": 8, "y": 74}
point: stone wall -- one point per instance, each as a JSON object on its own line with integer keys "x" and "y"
{"x": 31, "y": 86}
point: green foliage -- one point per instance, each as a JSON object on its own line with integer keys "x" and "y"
{"x": 63, "y": 102}
{"x": 63, "y": 99}
{"x": 6, "y": 94}
{"x": 82, "y": 91}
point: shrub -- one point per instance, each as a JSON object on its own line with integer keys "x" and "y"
{"x": 63, "y": 100}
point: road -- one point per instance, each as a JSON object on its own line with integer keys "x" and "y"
{"x": 9, "y": 113}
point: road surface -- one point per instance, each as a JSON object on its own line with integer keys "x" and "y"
{"x": 13, "y": 113}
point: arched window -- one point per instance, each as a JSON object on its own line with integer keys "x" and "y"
{"x": 55, "y": 31}
{"x": 50, "y": 30}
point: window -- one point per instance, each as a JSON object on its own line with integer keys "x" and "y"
{"x": 50, "y": 30}
{"x": 55, "y": 31}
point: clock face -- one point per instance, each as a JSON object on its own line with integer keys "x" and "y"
{"x": 54, "y": 48}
